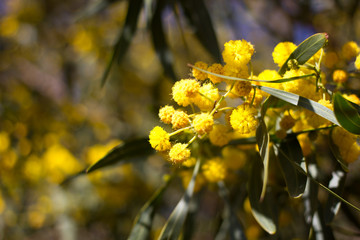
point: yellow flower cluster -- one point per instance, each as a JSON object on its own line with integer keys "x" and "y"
{"x": 347, "y": 144}
{"x": 214, "y": 170}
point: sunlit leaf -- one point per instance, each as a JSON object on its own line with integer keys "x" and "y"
{"x": 263, "y": 211}
{"x": 175, "y": 222}
{"x": 200, "y": 20}
{"x": 159, "y": 40}
{"x": 124, "y": 152}
{"x": 143, "y": 222}
{"x": 306, "y": 50}
{"x": 262, "y": 139}
{"x": 290, "y": 150}
{"x": 346, "y": 114}
{"x": 302, "y": 102}
{"x": 126, "y": 35}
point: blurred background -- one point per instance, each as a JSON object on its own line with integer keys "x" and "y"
{"x": 61, "y": 112}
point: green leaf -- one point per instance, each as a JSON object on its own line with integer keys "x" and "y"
{"x": 159, "y": 40}
{"x": 306, "y": 50}
{"x": 125, "y": 36}
{"x": 262, "y": 139}
{"x": 302, "y": 102}
{"x": 200, "y": 20}
{"x": 263, "y": 211}
{"x": 174, "y": 224}
{"x": 335, "y": 151}
{"x": 126, "y": 151}
{"x": 336, "y": 184}
{"x": 289, "y": 153}
{"x": 143, "y": 222}
{"x": 346, "y": 114}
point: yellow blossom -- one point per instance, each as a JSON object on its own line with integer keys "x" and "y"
{"x": 237, "y": 53}
{"x": 270, "y": 75}
{"x": 242, "y": 88}
{"x": 305, "y": 144}
{"x": 199, "y": 74}
{"x": 282, "y": 52}
{"x": 203, "y": 123}
{"x": 165, "y": 114}
{"x": 207, "y": 97}
{"x": 4, "y": 141}
{"x": 353, "y": 98}
{"x": 159, "y": 139}
{"x": 214, "y": 170}
{"x": 357, "y": 62}
{"x": 184, "y": 91}
{"x": 346, "y": 143}
{"x": 315, "y": 120}
{"x": 179, "y": 119}
{"x": 339, "y": 76}
{"x": 350, "y": 50}
{"x": 243, "y": 119}
{"x": 179, "y": 153}
{"x": 233, "y": 71}
{"x": 220, "y": 135}
{"x": 218, "y": 69}
{"x": 190, "y": 162}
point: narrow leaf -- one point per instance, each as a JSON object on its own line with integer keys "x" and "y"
{"x": 263, "y": 211}
{"x": 143, "y": 222}
{"x": 336, "y": 184}
{"x": 174, "y": 224}
{"x": 200, "y": 20}
{"x": 262, "y": 139}
{"x": 125, "y": 36}
{"x": 290, "y": 150}
{"x": 346, "y": 114}
{"x": 302, "y": 102}
{"x": 306, "y": 50}
{"x": 127, "y": 151}
{"x": 159, "y": 40}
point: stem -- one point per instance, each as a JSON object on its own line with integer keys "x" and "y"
{"x": 178, "y": 131}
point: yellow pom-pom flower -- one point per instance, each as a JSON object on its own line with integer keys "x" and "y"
{"x": 350, "y": 50}
{"x": 243, "y": 119}
{"x": 165, "y": 114}
{"x": 207, "y": 96}
{"x": 287, "y": 122}
{"x": 179, "y": 153}
{"x": 179, "y": 120}
{"x": 269, "y": 75}
{"x": 242, "y": 88}
{"x": 159, "y": 139}
{"x": 233, "y": 71}
{"x": 214, "y": 170}
{"x": 203, "y": 123}
{"x": 357, "y": 62}
{"x": 199, "y": 74}
{"x": 218, "y": 69}
{"x": 282, "y": 52}
{"x": 346, "y": 143}
{"x": 339, "y": 76}
{"x": 184, "y": 91}
{"x": 220, "y": 135}
{"x": 237, "y": 53}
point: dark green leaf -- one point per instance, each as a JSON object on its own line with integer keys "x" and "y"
{"x": 127, "y": 151}
{"x": 199, "y": 18}
{"x": 125, "y": 36}
{"x": 306, "y": 50}
{"x": 159, "y": 40}
{"x": 174, "y": 224}
{"x": 263, "y": 211}
{"x": 346, "y": 114}
{"x": 302, "y": 102}
{"x": 143, "y": 222}
{"x": 290, "y": 153}
{"x": 336, "y": 184}
{"x": 335, "y": 151}
{"x": 262, "y": 139}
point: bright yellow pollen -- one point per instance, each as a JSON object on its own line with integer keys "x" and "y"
{"x": 207, "y": 97}
{"x": 237, "y": 53}
{"x": 179, "y": 120}
{"x": 203, "y": 123}
{"x": 179, "y": 153}
{"x": 199, "y": 74}
{"x": 243, "y": 119}
{"x": 242, "y": 88}
{"x": 339, "y": 76}
{"x": 218, "y": 69}
{"x": 282, "y": 52}
{"x": 184, "y": 91}
{"x": 214, "y": 170}
{"x": 165, "y": 114}
{"x": 159, "y": 139}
